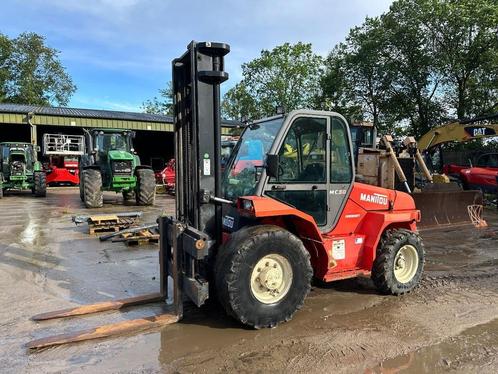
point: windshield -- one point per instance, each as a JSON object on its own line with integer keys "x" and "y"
{"x": 248, "y": 156}
{"x": 112, "y": 142}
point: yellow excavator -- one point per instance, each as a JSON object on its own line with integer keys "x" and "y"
{"x": 460, "y": 131}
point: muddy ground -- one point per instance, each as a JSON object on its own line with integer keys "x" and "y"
{"x": 449, "y": 324}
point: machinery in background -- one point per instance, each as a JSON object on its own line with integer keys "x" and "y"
{"x": 402, "y": 167}
{"x": 482, "y": 174}
{"x": 20, "y": 169}
{"x": 110, "y": 163}
{"x": 63, "y": 152}
{"x": 166, "y": 177}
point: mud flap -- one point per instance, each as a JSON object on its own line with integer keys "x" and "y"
{"x": 445, "y": 204}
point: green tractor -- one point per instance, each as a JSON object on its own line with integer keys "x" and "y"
{"x": 111, "y": 164}
{"x": 20, "y": 169}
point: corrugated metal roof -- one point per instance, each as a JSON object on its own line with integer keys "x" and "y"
{"x": 94, "y": 113}
{"x": 84, "y": 113}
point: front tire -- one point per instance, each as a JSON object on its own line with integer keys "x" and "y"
{"x": 39, "y": 184}
{"x": 146, "y": 187}
{"x": 93, "y": 196}
{"x": 263, "y": 275}
{"x": 399, "y": 264}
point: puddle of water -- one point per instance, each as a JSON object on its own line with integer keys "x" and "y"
{"x": 469, "y": 352}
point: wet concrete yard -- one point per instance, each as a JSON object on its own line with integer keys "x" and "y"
{"x": 449, "y": 324}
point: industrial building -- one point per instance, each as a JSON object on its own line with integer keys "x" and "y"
{"x": 154, "y": 140}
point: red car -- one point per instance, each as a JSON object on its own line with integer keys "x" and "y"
{"x": 483, "y": 176}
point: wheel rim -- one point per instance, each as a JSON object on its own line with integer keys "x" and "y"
{"x": 271, "y": 278}
{"x": 406, "y": 263}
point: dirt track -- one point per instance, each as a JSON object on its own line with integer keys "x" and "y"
{"x": 450, "y": 323}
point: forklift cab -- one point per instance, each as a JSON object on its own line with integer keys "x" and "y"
{"x": 303, "y": 159}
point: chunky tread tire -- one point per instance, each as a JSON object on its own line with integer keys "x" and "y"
{"x": 128, "y": 195}
{"x": 81, "y": 186}
{"x": 383, "y": 268}
{"x": 92, "y": 188}
{"x": 145, "y": 193}
{"x": 234, "y": 265}
{"x": 40, "y": 184}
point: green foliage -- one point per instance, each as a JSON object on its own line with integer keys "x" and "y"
{"x": 422, "y": 61}
{"x": 288, "y": 76}
{"x": 31, "y": 73}
{"x": 162, "y": 104}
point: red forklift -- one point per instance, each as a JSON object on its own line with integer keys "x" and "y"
{"x": 256, "y": 237}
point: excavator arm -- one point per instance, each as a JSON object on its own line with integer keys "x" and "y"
{"x": 460, "y": 131}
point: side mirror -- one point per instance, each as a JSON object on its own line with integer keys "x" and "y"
{"x": 272, "y": 165}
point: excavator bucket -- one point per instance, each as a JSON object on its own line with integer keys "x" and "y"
{"x": 446, "y": 204}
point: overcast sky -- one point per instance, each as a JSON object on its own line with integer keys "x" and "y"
{"x": 119, "y": 52}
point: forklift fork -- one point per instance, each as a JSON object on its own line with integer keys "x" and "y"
{"x": 169, "y": 267}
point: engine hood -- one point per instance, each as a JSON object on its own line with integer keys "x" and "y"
{"x": 120, "y": 155}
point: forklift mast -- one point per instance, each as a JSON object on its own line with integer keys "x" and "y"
{"x": 191, "y": 237}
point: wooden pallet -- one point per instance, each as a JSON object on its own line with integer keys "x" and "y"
{"x": 109, "y": 223}
{"x": 138, "y": 238}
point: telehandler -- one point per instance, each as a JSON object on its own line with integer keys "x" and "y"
{"x": 257, "y": 235}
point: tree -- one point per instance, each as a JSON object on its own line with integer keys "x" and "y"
{"x": 31, "y": 73}
{"x": 464, "y": 36}
{"x": 162, "y": 104}
{"x": 357, "y": 80}
{"x": 288, "y": 76}
{"x": 420, "y": 62}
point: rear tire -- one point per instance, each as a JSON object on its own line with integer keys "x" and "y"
{"x": 399, "y": 264}
{"x": 93, "y": 196}
{"x": 262, "y": 275}
{"x": 39, "y": 184}
{"x": 146, "y": 187}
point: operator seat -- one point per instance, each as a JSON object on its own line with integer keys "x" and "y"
{"x": 314, "y": 172}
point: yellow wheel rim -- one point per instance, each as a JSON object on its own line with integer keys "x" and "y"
{"x": 406, "y": 263}
{"x": 271, "y": 278}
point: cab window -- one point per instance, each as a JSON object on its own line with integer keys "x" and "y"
{"x": 340, "y": 155}
{"x": 302, "y": 154}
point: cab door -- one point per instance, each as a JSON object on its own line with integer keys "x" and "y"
{"x": 303, "y": 178}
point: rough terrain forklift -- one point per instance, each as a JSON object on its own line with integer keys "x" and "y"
{"x": 257, "y": 235}
{"x": 20, "y": 169}
{"x": 111, "y": 164}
